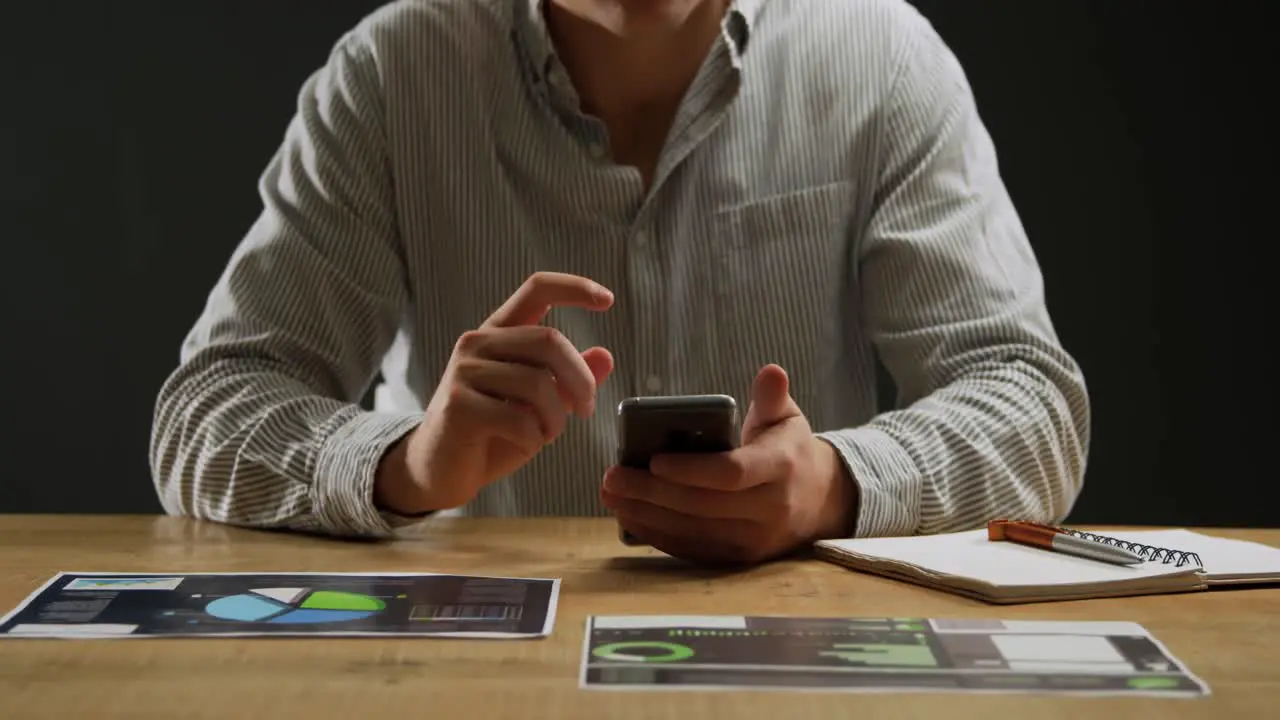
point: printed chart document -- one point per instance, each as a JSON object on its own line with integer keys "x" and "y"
{"x": 724, "y": 652}
{"x": 109, "y": 605}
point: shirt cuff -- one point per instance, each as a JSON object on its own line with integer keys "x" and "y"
{"x": 889, "y": 481}
{"x": 345, "y": 469}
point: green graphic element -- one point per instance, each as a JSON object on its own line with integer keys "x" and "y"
{"x": 333, "y": 600}
{"x": 675, "y": 651}
{"x": 908, "y": 626}
{"x": 898, "y": 655}
{"x": 1152, "y": 683}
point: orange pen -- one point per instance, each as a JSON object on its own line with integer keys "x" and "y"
{"x": 1048, "y": 537}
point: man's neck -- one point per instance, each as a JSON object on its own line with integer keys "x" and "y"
{"x": 630, "y": 71}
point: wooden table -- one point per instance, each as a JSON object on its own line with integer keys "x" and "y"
{"x": 1229, "y": 638}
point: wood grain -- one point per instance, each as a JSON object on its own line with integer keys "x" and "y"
{"x": 1230, "y": 638}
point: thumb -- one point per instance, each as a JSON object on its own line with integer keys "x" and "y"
{"x": 600, "y": 361}
{"x": 771, "y": 402}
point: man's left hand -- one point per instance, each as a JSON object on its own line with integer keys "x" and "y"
{"x": 782, "y": 488}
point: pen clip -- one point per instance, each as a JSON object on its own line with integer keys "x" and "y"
{"x": 996, "y": 528}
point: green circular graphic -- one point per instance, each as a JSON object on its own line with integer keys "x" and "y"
{"x": 675, "y": 651}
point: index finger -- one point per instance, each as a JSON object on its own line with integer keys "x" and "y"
{"x": 543, "y": 290}
{"x": 737, "y": 469}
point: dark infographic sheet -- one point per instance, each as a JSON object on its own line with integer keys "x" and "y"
{"x": 880, "y": 654}
{"x": 106, "y": 605}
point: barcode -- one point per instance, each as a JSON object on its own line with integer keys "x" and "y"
{"x": 491, "y": 613}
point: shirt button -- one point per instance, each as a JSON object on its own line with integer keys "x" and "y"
{"x": 642, "y": 239}
{"x": 654, "y": 383}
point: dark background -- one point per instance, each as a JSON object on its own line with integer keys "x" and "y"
{"x": 1132, "y": 137}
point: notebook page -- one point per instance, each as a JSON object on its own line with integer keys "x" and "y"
{"x": 1222, "y": 557}
{"x": 972, "y": 555}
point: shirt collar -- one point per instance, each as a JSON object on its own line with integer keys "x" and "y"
{"x": 534, "y": 40}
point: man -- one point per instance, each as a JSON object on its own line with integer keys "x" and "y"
{"x": 526, "y": 211}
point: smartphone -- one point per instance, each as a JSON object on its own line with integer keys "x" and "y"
{"x": 653, "y": 425}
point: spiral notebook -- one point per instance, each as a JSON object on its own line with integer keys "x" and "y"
{"x": 967, "y": 563}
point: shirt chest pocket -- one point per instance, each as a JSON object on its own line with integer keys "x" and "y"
{"x": 780, "y": 264}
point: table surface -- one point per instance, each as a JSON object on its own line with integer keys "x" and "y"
{"x": 1230, "y": 638}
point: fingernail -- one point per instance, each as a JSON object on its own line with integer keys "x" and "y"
{"x": 611, "y": 483}
{"x": 603, "y": 294}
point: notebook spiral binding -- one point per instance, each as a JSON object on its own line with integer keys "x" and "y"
{"x": 1149, "y": 553}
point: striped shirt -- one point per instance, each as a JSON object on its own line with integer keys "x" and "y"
{"x": 827, "y": 197}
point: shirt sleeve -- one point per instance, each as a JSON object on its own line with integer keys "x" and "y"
{"x": 260, "y": 424}
{"x": 993, "y": 416}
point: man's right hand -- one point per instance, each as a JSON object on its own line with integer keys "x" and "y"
{"x": 508, "y": 391}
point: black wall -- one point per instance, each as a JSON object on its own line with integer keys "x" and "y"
{"x": 1132, "y": 136}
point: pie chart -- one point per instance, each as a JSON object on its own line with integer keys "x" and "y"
{"x": 294, "y": 606}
